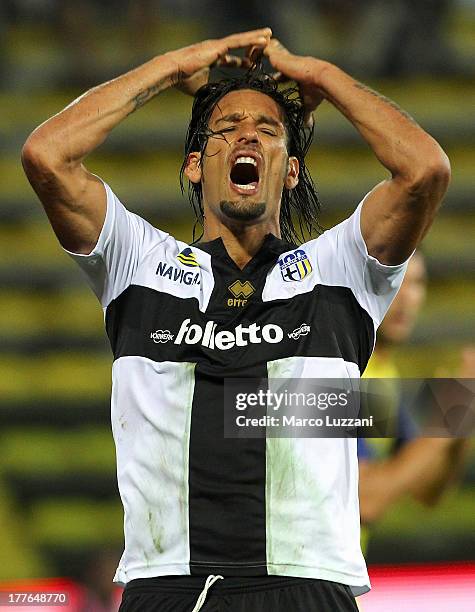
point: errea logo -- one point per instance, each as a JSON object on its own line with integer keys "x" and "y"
{"x": 241, "y": 291}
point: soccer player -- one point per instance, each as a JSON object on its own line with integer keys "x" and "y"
{"x": 406, "y": 464}
{"x": 273, "y": 524}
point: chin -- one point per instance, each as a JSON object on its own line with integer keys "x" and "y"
{"x": 242, "y": 210}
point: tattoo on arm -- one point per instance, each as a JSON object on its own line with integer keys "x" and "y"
{"x": 386, "y": 100}
{"x": 146, "y": 94}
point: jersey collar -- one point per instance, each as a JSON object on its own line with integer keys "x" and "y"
{"x": 270, "y": 250}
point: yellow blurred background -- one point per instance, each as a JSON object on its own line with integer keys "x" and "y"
{"x": 59, "y": 503}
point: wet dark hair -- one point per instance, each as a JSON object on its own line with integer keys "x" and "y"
{"x": 300, "y": 207}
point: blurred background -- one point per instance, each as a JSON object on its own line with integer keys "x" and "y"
{"x": 60, "y": 513}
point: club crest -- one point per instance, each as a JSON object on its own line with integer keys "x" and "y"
{"x": 295, "y": 266}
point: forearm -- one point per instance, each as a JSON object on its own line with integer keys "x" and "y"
{"x": 399, "y": 143}
{"x": 445, "y": 469}
{"x": 384, "y": 482}
{"x": 420, "y": 468}
{"x": 69, "y": 136}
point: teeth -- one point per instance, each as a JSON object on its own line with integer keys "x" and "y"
{"x": 245, "y": 160}
{"x": 248, "y": 187}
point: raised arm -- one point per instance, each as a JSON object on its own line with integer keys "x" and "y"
{"x": 398, "y": 211}
{"x": 53, "y": 155}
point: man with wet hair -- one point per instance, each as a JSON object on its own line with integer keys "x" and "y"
{"x": 274, "y": 520}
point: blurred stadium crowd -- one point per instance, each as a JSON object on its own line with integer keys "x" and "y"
{"x": 59, "y": 506}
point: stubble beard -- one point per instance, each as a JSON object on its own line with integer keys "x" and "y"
{"x": 243, "y": 210}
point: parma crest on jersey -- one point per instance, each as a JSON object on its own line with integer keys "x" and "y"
{"x": 295, "y": 266}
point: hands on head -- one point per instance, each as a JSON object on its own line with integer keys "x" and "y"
{"x": 198, "y": 59}
{"x": 194, "y": 62}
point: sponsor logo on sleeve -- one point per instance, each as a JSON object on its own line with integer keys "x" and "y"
{"x": 177, "y": 275}
{"x": 188, "y": 258}
{"x": 160, "y": 336}
{"x": 295, "y": 266}
{"x": 303, "y": 330}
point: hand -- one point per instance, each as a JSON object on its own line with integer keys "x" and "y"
{"x": 194, "y": 62}
{"x": 303, "y": 70}
{"x": 191, "y": 84}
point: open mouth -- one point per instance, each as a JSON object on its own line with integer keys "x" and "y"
{"x": 245, "y": 174}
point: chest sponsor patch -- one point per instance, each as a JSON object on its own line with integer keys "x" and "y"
{"x": 242, "y": 336}
{"x": 177, "y": 275}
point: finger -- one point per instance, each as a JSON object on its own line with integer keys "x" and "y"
{"x": 259, "y": 37}
{"x": 275, "y": 46}
{"x": 232, "y": 61}
{"x": 191, "y": 84}
{"x": 254, "y": 53}
{"x": 249, "y": 36}
{"x": 229, "y": 61}
{"x": 280, "y": 77}
{"x": 199, "y": 74}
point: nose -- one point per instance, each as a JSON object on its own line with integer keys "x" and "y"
{"x": 248, "y": 134}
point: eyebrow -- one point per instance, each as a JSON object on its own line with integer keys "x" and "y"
{"x": 237, "y": 117}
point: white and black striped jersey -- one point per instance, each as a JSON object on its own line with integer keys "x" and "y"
{"x": 181, "y": 318}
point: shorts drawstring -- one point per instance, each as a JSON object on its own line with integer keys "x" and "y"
{"x": 201, "y": 599}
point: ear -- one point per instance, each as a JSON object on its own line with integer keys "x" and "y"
{"x": 292, "y": 176}
{"x": 193, "y": 167}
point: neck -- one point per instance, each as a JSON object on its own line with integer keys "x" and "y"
{"x": 242, "y": 241}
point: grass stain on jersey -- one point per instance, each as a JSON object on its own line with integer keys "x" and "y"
{"x": 156, "y": 532}
{"x": 293, "y": 498}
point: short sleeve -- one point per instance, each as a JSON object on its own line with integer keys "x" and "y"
{"x": 124, "y": 239}
{"x": 344, "y": 259}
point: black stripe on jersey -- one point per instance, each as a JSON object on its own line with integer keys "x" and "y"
{"x": 227, "y": 480}
{"x": 227, "y": 476}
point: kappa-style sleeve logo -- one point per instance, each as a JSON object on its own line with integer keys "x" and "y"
{"x": 295, "y": 266}
{"x": 188, "y": 258}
